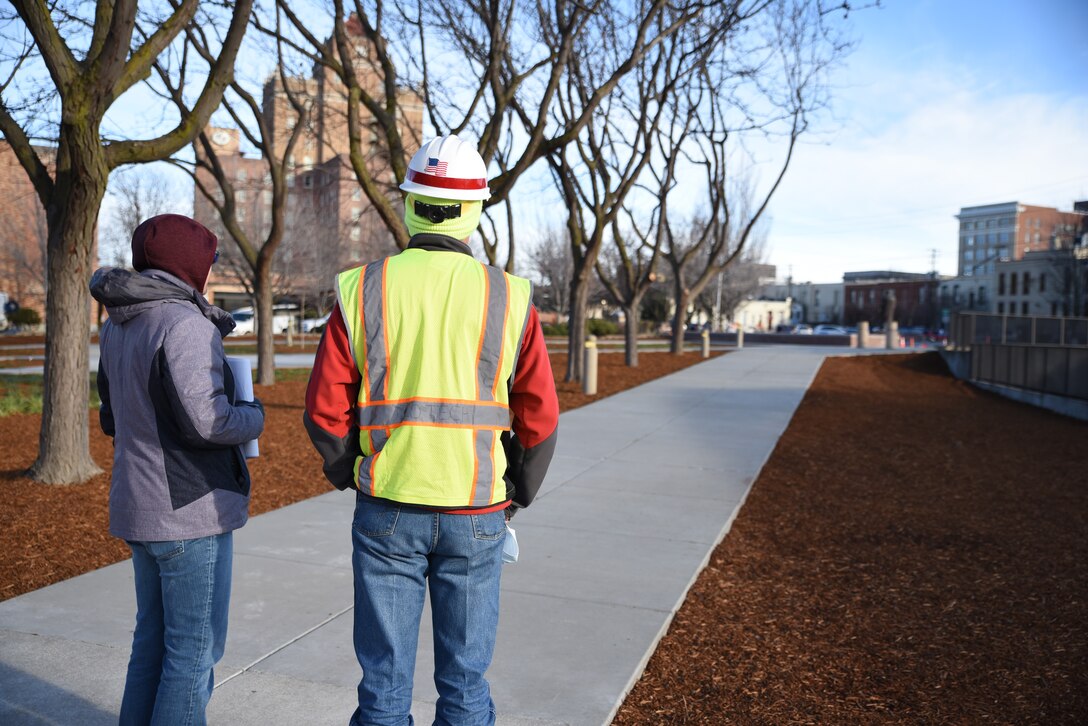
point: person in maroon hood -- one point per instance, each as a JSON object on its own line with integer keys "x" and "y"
{"x": 180, "y": 485}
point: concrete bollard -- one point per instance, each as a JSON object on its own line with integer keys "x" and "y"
{"x": 706, "y": 343}
{"x": 740, "y": 337}
{"x": 892, "y": 336}
{"x": 863, "y": 334}
{"x": 589, "y": 375}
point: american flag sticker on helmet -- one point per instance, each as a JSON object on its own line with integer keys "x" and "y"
{"x": 436, "y": 167}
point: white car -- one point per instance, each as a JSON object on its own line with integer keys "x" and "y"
{"x": 829, "y": 330}
{"x": 315, "y": 325}
{"x": 245, "y": 322}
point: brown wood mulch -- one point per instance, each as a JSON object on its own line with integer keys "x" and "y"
{"x": 915, "y": 551}
{"x": 51, "y": 533}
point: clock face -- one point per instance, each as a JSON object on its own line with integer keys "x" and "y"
{"x": 220, "y": 137}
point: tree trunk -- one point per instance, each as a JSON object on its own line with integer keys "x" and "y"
{"x": 266, "y": 342}
{"x": 678, "y": 319}
{"x": 576, "y": 331}
{"x": 64, "y": 441}
{"x": 631, "y": 332}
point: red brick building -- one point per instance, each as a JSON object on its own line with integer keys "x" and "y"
{"x": 330, "y": 224}
{"x": 866, "y": 293}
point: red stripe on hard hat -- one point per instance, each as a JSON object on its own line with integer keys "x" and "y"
{"x": 445, "y": 182}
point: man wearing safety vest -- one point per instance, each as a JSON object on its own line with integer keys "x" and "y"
{"x": 433, "y": 397}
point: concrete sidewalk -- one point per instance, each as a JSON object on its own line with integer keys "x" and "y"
{"x": 644, "y": 485}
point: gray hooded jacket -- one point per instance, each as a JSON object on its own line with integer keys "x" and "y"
{"x": 168, "y": 402}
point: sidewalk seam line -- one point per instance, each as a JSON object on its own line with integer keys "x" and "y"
{"x": 294, "y": 640}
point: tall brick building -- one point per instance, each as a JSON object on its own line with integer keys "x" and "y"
{"x": 995, "y": 233}
{"x": 330, "y": 224}
{"x": 23, "y": 233}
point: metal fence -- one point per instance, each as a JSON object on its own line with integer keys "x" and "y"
{"x": 1035, "y": 353}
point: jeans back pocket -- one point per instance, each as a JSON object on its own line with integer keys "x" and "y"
{"x": 374, "y": 519}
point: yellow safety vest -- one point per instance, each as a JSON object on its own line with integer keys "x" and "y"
{"x": 436, "y": 336}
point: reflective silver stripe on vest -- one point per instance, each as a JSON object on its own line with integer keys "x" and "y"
{"x": 383, "y": 415}
{"x": 487, "y": 370}
{"x": 374, "y": 329}
{"x": 485, "y": 473}
{"x": 378, "y": 437}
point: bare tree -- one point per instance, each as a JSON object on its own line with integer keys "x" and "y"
{"x": 553, "y": 266}
{"x": 256, "y": 225}
{"x": 767, "y": 81}
{"x": 736, "y": 283}
{"x": 137, "y": 195}
{"x": 92, "y": 59}
{"x": 511, "y": 61}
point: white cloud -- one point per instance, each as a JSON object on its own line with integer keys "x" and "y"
{"x": 883, "y": 192}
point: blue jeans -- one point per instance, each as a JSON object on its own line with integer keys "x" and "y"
{"x": 182, "y": 594}
{"x": 397, "y": 552}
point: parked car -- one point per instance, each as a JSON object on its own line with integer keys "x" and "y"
{"x": 801, "y": 329}
{"x": 829, "y": 330}
{"x": 315, "y": 325}
{"x": 245, "y": 322}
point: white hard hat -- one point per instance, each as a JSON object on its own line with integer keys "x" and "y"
{"x": 447, "y": 168}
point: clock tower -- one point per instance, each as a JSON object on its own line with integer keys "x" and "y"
{"x": 224, "y": 141}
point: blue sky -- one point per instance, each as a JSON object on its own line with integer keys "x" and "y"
{"x": 943, "y": 104}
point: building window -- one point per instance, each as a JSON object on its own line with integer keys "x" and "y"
{"x": 357, "y": 194}
{"x": 1001, "y": 308}
{"x": 241, "y": 174}
{"x": 1042, "y": 282}
{"x": 355, "y": 234}
{"x": 969, "y": 255}
{"x": 1024, "y": 308}
{"x": 1001, "y": 283}
{"x": 982, "y": 295}
{"x": 1036, "y": 238}
{"x": 1053, "y": 308}
{"x": 1027, "y": 283}
{"x": 1003, "y": 237}
{"x": 1012, "y": 283}
{"x": 241, "y": 196}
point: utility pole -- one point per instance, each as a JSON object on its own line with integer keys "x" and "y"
{"x": 933, "y": 261}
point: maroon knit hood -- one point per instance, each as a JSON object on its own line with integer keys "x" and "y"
{"x": 176, "y": 244}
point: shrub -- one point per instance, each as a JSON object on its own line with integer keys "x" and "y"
{"x": 25, "y": 316}
{"x": 555, "y": 329}
{"x": 596, "y": 326}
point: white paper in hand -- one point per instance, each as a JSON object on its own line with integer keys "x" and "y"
{"x": 510, "y": 546}
{"x": 242, "y": 370}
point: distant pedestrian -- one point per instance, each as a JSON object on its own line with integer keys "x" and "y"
{"x": 180, "y": 484}
{"x": 427, "y": 362}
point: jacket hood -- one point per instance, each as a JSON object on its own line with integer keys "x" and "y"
{"x": 127, "y": 295}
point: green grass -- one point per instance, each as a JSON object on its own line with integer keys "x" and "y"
{"x": 23, "y": 393}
